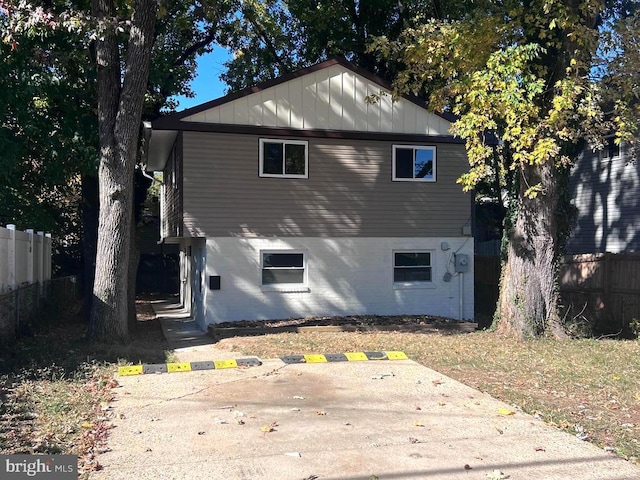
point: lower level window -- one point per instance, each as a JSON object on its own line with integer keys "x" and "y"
{"x": 283, "y": 268}
{"x": 410, "y": 267}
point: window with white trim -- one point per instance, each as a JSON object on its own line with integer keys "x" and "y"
{"x": 410, "y": 267}
{"x": 414, "y": 163}
{"x": 283, "y": 269}
{"x": 284, "y": 158}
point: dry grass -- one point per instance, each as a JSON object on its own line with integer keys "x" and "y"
{"x": 586, "y": 387}
{"x": 55, "y": 388}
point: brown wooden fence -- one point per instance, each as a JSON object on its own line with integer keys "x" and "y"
{"x": 600, "y": 290}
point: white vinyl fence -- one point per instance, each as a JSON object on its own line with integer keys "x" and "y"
{"x": 25, "y": 258}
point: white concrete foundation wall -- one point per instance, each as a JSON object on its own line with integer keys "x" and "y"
{"x": 345, "y": 276}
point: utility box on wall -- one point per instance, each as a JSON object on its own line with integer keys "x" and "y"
{"x": 462, "y": 263}
{"x": 214, "y": 282}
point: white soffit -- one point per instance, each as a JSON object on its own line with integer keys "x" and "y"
{"x": 332, "y": 98}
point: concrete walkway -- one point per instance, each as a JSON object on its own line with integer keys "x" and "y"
{"x": 185, "y": 338}
{"x": 336, "y": 421}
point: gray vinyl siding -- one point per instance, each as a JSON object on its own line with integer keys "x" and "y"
{"x": 606, "y": 193}
{"x": 349, "y": 192}
{"x": 172, "y": 205}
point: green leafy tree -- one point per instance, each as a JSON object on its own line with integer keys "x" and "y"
{"x": 518, "y": 76}
{"x": 619, "y": 72}
{"x": 272, "y": 37}
{"x": 47, "y": 132}
{"x": 116, "y": 42}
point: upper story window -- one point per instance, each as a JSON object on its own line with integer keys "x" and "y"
{"x": 284, "y": 158}
{"x": 414, "y": 163}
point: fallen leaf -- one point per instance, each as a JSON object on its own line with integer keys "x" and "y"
{"x": 505, "y": 411}
{"x": 86, "y": 425}
{"x": 269, "y": 427}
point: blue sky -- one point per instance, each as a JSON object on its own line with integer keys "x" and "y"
{"x": 207, "y": 85}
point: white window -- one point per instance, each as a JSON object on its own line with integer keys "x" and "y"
{"x": 414, "y": 163}
{"x": 284, "y": 158}
{"x": 282, "y": 269}
{"x": 411, "y": 267}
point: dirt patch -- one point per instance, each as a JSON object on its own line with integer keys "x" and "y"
{"x": 355, "y": 320}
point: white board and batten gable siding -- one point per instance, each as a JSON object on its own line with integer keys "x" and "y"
{"x": 332, "y": 98}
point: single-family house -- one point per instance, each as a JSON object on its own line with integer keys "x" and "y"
{"x": 299, "y": 197}
{"x": 605, "y": 189}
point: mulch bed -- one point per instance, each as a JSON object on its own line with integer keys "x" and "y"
{"x": 351, "y": 323}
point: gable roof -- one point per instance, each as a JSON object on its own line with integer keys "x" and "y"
{"x": 326, "y": 98}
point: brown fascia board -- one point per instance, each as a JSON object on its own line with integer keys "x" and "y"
{"x": 290, "y": 132}
{"x": 170, "y": 121}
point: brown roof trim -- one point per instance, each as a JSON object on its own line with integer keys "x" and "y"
{"x": 290, "y": 132}
{"x": 168, "y": 119}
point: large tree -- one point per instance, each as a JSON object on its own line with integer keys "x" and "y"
{"x": 43, "y": 45}
{"x": 518, "y": 75}
{"x": 273, "y": 37}
{"x": 47, "y": 132}
{"x": 121, "y": 86}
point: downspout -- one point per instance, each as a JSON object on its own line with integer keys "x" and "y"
{"x": 147, "y": 130}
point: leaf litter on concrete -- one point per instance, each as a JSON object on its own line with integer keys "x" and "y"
{"x": 586, "y": 387}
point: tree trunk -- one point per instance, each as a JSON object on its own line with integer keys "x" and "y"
{"x": 89, "y": 240}
{"x": 119, "y": 115}
{"x": 528, "y": 303}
